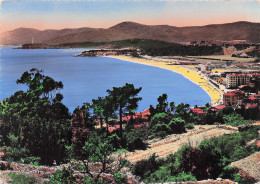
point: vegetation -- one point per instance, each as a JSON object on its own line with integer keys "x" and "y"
{"x": 36, "y": 123}
{"x": 139, "y": 43}
{"x": 19, "y": 178}
{"x": 35, "y": 129}
{"x": 62, "y": 176}
{"x": 210, "y": 160}
{"x": 124, "y": 101}
{"x": 153, "y": 47}
{"x": 183, "y": 50}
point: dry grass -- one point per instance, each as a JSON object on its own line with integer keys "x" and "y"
{"x": 250, "y": 165}
{"x": 171, "y": 144}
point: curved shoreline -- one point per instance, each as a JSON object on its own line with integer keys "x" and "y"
{"x": 191, "y": 75}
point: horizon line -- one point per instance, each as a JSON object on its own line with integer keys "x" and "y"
{"x": 129, "y": 22}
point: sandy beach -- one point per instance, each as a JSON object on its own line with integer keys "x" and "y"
{"x": 214, "y": 93}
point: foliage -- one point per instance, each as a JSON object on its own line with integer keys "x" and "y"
{"x": 189, "y": 126}
{"x": 121, "y": 151}
{"x": 103, "y": 108}
{"x": 135, "y": 138}
{"x": 137, "y": 43}
{"x": 124, "y": 100}
{"x": 235, "y": 119}
{"x": 227, "y": 110}
{"x": 163, "y": 106}
{"x": 159, "y": 125}
{"x": 36, "y": 120}
{"x": 145, "y": 168}
{"x": 163, "y": 124}
{"x": 241, "y": 46}
{"x": 119, "y": 178}
{"x": 97, "y": 149}
{"x": 19, "y": 178}
{"x": 63, "y": 176}
{"x": 254, "y": 53}
{"x": 183, "y": 50}
{"x": 34, "y": 161}
{"x": 177, "y": 125}
{"x": 212, "y": 117}
{"x": 79, "y": 167}
{"x": 70, "y": 153}
{"x": 90, "y": 180}
{"x": 210, "y": 160}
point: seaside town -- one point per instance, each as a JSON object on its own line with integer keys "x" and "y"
{"x": 231, "y": 79}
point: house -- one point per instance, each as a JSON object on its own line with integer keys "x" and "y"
{"x": 218, "y": 108}
{"x": 197, "y": 111}
{"x": 232, "y": 97}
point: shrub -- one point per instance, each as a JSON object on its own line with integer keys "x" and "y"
{"x": 235, "y": 119}
{"x": 32, "y": 160}
{"x": 177, "y": 125}
{"x": 159, "y": 125}
{"x": 90, "y": 180}
{"x": 62, "y": 177}
{"x": 80, "y": 167}
{"x": 134, "y": 139}
{"x": 119, "y": 178}
{"x": 145, "y": 168}
{"x": 181, "y": 177}
{"x": 189, "y": 126}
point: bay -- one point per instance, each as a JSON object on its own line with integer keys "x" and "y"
{"x": 86, "y": 78}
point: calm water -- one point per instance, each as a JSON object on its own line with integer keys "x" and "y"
{"x": 86, "y": 78}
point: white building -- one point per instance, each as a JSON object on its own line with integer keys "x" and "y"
{"x": 235, "y": 80}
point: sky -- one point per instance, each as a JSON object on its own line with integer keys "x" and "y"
{"x": 57, "y": 14}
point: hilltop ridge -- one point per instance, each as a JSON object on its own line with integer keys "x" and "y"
{"x": 241, "y": 30}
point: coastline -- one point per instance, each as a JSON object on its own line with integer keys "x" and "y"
{"x": 212, "y": 91}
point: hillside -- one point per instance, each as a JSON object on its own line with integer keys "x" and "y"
{"x": 130, "y": 30}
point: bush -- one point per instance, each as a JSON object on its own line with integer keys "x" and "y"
{"x": 145, "y": 168}
{"x": 80, "y": 167}
{"x": 134, "y": 138}
{"x": 189, "y": 126}
{"x": 121, "y": 151}
{"x": 181, "y": 177}
{"x": 159, "y": 125}
{"x": 14, "y": 154}
{"x": 90, "y": 180}
{"x": 119, "y": 178}
{"x": 235, "y": 119}
{"x": 31, "y": 160}
{"x": 62, "y": 177}
{"x": 177, "y": 125}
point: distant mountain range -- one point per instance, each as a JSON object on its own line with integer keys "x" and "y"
{"x": 129, "y": 30}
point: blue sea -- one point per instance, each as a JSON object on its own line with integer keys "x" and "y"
{"x": 86, "y": 78}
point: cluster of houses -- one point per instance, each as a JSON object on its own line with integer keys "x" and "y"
{"x": 238, "y": 80}
{"x": 140, "y": 117}
{"x": 236, "y": 99}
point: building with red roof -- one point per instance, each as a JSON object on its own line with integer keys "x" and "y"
{"x": 218, "y": 108}
{"x": 197, "y": 111}
{"x": 2, "y": 154}
{"x": 232, "y": 97}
